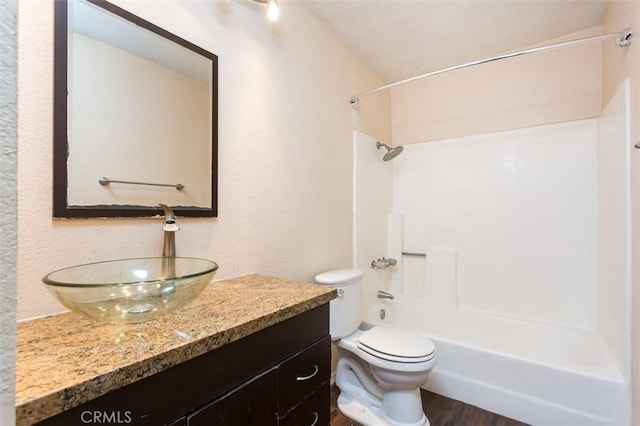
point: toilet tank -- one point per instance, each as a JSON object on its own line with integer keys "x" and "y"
{"x": 344, "y": 316}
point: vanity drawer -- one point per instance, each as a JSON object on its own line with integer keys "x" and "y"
{"x": 314, "y": 411}
{"x": 302, "y": 374}
{"x": 253, "y": 403}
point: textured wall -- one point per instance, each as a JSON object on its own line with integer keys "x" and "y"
{"x": 8, "y": 227}
{"x": 285, "y": 156}
{"x": 515, "y": 93}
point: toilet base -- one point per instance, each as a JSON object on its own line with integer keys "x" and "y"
{"x": 362, "y": 399}
{"x": 369, "y": 415}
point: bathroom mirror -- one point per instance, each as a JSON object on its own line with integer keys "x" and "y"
{"x": 135, "y": 116}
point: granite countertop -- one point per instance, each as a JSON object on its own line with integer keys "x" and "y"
{"x": 67, "y": 359}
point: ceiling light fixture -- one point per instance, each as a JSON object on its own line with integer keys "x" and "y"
{"x": 273, "y": 8}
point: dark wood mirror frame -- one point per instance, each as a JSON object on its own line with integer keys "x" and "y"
{"x": 61, "y": 209}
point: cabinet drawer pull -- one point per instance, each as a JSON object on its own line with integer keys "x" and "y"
{"x": 315, "y": 418}
{"x": 303, "y": 378}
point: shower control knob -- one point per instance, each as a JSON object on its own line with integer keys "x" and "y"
{"x": 383, "y": 263}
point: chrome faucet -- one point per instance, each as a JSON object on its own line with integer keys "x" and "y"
{"x": 383, "y": 263}
{"x": 385, "y": 295}
{"x": 169, "y": 226}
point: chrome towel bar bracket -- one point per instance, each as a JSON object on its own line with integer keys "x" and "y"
{"x": 408, "y": 253}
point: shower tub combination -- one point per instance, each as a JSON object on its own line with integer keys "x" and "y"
{"x": 534, "y": 332}
{"x": 513, "y": 257}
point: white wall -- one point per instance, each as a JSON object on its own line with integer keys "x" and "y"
{"x": 285, "y": 161}
{"x": 517, "y": 210}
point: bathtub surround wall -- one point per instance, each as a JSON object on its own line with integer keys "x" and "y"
{"x": 372, "y": 198}
{"x": 284, "y": 198}
{"x": 509, "y": 288}
{"x": 509, "y": 225}
{"x": 614, "y": 228}
{"x": 516, "y": 211}
{"x": 8, "y": 200}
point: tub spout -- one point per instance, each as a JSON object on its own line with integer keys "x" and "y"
{"x": 385, "y": 295}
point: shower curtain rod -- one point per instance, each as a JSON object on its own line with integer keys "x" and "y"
{"x": 623, "y": 39}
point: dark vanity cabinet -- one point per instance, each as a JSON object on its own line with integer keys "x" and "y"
{"x": 252, "y": 403}
{"x": 277, "y": 376}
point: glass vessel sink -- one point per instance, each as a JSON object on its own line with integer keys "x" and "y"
{"x": 131, "y": 290}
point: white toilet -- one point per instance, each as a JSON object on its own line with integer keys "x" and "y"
{"x": 380, "y": 370}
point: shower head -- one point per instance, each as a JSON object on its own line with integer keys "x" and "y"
{"x": 392, "y": 151}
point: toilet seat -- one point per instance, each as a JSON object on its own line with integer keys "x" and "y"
{"x": 378, "y": 351}
{"x": 397, "y": 345}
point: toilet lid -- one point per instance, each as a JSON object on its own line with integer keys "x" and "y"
{"x": 396, "y": 345}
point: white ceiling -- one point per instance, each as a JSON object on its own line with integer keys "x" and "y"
{"x": 403, "y": 38}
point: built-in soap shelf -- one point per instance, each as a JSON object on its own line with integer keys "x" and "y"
{"x": 422, "y": 271}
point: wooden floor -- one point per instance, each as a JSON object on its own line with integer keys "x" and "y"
{"x": 440, "y": 411}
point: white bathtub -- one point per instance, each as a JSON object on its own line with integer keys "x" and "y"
{"x": 554, "y": 377}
